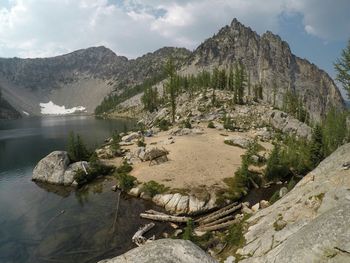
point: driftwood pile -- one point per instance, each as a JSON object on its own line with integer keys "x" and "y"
{"x": 216, "y": 220}
{"x": 219, "y": 219}
{"x": 138, "y": 237}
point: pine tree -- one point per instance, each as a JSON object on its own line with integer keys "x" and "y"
{"x": 150, "y": 99}
{"x": 334, "y": 130}
{"x": 342, "y": 67}
{"x": 171, "y": 85}
{"x": 316, "y": 146}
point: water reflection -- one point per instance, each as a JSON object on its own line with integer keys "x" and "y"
{"x": 45, "y": 223}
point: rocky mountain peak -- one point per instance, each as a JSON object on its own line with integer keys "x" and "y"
{"x": 268, "y": 61}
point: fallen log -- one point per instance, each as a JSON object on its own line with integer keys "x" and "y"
{"x": 154, "y": 212}
{"x": 216, "y": 212}
{"x": 220, "y": 215}
{"x": 219, "y": 221}
{"x": 138, "y": 237}
{"x": 165, "y": 218}
{"x": 218, "y": 226}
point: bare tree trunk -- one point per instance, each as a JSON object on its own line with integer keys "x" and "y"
{"x": 220, "y": 213}
{"x": 138, "y": 237}
{"x": 167, "y": 218}
{"x": 218, "y": 226}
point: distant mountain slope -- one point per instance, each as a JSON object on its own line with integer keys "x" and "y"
{"x": 85, "y": 77}
{"x": 268, "y": 60}
{"x": 80, "y": 78}
{"x": 7, "y": 111}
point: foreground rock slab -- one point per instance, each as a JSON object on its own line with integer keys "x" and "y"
{"x": 308, "y": 224}
{"x": 164, "y": 251}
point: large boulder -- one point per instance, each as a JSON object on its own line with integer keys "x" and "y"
{"x": 283, "y": 122}
{"x": 164, "y": 251}
{"x": 310, "y": 223}
{"x": 237, "y": 140}
{"x": 68, "y": 177}
{"x": 51, "y": 169}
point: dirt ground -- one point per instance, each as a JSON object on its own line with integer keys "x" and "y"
{"x": 195, "y": 161}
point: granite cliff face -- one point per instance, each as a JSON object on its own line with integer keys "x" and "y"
{"x": 268, "y": 60}
{"x": 80, "y": 78}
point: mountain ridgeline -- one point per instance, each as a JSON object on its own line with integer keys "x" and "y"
{"x": 85, "y": 77}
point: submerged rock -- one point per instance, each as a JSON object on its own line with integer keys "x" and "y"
{"x": 164, "y": 251}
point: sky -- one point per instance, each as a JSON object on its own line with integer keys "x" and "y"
{"x": 315, "y": 29}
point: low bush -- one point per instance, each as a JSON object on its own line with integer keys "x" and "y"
{"x": 163, "y": 124}
{"x": 211, "y": 125}
{"x": 186, "y": 124}
{"x": 152, "y": 188}
{"x": 235, "y": 235}
{"x": 141, "y": 143}
{"x": 95, "y": 169}
{"x": 124, "y": 168}
{"x": 126, "y": 181}
{"x": 188, "y": 231}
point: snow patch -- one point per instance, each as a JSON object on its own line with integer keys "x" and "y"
{"x": 25, "y": 113}
{"x": 51, "y": 108}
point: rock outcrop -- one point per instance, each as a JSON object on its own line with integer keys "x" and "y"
{"x": 281, "y": 121}
{"x": 164, "y": 251}
{"x": 55, "y": 168}
{"x": 269, "y": 62}
{"x": 184, "y": 204}
{"x": 308, "y": 224}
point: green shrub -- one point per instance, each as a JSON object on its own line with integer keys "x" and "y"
{"x": 95, "y": 169}
{"x": 235, "y": 235}
{"x": 126, "y": 181}
{"x": 275, "y": 197}
{"x": 186, "y": 124}
{"x": 152, "y": 188}
{"x": 124, "y": 168}
{"x": 77, "y": 151}
{"x": 163, "y": 124}
{"x": 228, "y": 123}
{"x": 188, "y": 231}
{"x": 115, "y": 147}
{"x": 211, "y": 125}
{"x": 141, "y": 142}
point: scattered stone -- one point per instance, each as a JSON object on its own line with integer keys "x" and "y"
{"x": 283, "y": 191}
{"x": 114, "y": 188}
{"x": 177, "y": 232}
{"x": 131, "y": 136}
{"x": 230, "y": 259}
{"x": 135, "y": 191}
{"x": 264, "y": 204}
{"x": 246, "y": 210}
{"x": 145, "y": 196}
{"x": 255, "y": 207}
{"x": 239, "y": 141}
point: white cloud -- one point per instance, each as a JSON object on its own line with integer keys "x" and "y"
{"x": 30, "y": 28}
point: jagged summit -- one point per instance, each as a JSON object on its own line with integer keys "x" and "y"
{"x": 268, "y": 61}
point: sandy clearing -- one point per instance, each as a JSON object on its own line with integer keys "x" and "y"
{"x": 194, "y": 160}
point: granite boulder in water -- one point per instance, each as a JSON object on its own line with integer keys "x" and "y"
{"x": 55, "y": 168}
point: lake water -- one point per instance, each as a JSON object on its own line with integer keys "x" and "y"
{"x": 41, "y": 223}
